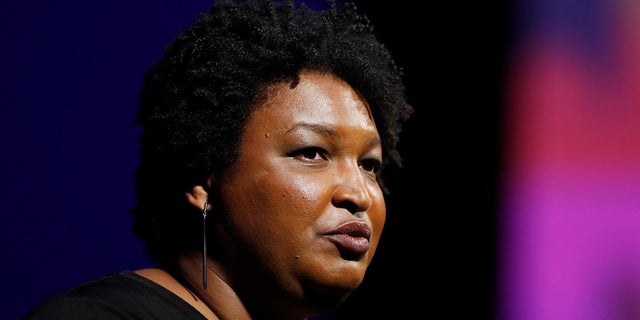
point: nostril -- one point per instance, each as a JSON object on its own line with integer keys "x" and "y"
{"x": 349, "y": 205}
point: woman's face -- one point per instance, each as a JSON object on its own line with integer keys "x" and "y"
{"x": 304, "y": 210}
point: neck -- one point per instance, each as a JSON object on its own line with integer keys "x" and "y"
{"x": 219, "y": 297}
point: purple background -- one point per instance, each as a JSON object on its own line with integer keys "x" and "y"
{"x": 570, "y": 195}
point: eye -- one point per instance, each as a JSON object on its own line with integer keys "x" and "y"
{"x": 309, "y": 154}
{"x": 371, "y": 165}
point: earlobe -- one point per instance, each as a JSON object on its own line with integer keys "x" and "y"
{"x": 197, "y": 197}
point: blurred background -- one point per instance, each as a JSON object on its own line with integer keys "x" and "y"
{"x": 520, "y": 195}
{"x": 570, "y": 187}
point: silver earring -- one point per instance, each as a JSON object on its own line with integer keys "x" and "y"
{"x": 204, "y": 245}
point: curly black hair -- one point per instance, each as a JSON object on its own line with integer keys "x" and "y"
{"x": 196, "y": 100}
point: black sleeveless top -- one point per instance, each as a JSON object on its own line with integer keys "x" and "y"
{"x": 123, "y": 295}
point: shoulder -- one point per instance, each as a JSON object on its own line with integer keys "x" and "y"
{"x": 123, "y": 295}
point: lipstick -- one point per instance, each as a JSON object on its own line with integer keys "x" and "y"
{"x": 351, "y": 238}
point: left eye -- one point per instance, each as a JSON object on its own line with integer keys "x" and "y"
{"x": 371, "y": 165}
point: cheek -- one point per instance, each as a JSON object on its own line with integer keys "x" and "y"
{"x": 377, "y": 214}
{"x": 304, "y": 190}
{"x": 300, "y": 201}
{"x": 270, "y": 204}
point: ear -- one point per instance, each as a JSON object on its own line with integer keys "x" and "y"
{"x": 197, "y": 197}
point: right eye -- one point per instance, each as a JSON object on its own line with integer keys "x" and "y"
{"x": 309, "y": 154}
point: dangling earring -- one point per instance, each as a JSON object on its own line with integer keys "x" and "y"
{"x": 204, "y": 245}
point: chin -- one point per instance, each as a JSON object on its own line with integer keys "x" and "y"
{"x": 323, "y": 301}
{"x": 326, "y": 296}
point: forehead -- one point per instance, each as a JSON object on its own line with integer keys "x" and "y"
{"x": 317, "y": 97}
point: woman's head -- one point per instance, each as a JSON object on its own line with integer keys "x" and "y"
{"x": 300, "y": 208}
{"x": 224, "y": 73}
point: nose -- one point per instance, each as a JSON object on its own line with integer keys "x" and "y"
{"x": 351, "y": 191}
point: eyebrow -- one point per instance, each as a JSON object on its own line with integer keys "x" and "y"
{"x": 320, "y": 129}
{"x": 327, "y": 132}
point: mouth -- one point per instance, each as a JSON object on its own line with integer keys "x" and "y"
{"x": 351, "y": 239}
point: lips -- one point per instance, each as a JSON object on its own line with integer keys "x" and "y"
{"x": 352, "y": 239}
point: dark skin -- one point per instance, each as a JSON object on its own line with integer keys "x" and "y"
{"x": 303, "y": 209}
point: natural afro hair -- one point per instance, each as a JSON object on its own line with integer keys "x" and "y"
{"x": 196, "y": 100}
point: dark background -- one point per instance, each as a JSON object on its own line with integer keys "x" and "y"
{"x": 70, "y": 74}
{"x": 437, "y": 259}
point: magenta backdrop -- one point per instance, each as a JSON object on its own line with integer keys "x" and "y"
{"x": 571, "y": 196}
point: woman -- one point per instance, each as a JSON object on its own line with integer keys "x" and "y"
{"x": 267, "y": 128}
